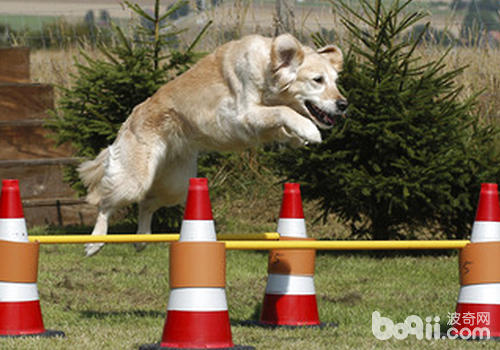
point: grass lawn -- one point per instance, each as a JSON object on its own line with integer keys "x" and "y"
{"x": 118, "y": 299}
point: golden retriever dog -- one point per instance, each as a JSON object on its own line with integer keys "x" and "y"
{"x": 247, "y": 92}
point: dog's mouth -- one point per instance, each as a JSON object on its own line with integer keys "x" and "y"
{"x": 324, "y": 119}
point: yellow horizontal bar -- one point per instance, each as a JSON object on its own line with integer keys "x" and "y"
{"x": 248, "y": 236}
{"x": 347, "y": 245}
{"x": 258, "y": 241}
{"x": 134, "y": 238}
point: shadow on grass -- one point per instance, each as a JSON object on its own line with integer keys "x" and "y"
{"x": 251, "y": 321}
{"x": 101, "y": 315}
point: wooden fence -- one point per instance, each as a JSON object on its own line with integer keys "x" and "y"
{"x": 27, "y": 154}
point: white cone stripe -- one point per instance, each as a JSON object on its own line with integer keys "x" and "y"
{"x": 12, "y": 292}
{"x": 197, "y": 299}
{"x": 485, "y": 231}
{"x": 197, "y": 231}
{"x": 290, "y": 284}
{"x": 485, "y": 293}
{"x": 292, "y": 228}
{"x": 13, "y": 230}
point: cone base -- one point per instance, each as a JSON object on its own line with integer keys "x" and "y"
{"x": 47, "y": 334}
{"x": 290, "y": 310}
{"x": 472, "y": 310}
{"x": 197, "y": 329}
{"x": 20, "y": 318}
{"x": 158, "y": 346}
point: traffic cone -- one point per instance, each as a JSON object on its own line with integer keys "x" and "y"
{"x": 20, "y": 313}
{"x": 486, "y": 227}
{"x": 478, "y": 306}
{"x": 198, "y": 224}
{"x": 290, "y": 297}
{"x": 197, "y": 314}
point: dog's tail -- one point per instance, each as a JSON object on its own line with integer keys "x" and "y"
{"x": 91, "y": 173}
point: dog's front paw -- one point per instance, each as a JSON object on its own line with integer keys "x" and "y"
{"x": 311, "y": 135}
{"x": 303, "y": 133}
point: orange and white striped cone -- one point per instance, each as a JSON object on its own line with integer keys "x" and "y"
{"x": 486, "y": 227}
{"x": 20, "y": 313}
{"x": 290, "y": 297}
{"x": 478, "y": 306}
{"x": 197, "y": 313}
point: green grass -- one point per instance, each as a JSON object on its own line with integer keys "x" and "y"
{"x": 117, "y": 299}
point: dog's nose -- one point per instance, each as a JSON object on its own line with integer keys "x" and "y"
{"x": 342, "y": 105}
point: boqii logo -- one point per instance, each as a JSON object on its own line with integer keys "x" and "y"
{"x": 469, "y": 325}
{"x": 383, "y": 328}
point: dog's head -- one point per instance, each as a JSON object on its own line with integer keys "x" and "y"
{"x": 305, "y": 80}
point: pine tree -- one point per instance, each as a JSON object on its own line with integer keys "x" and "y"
{"x": 411, "y": 153}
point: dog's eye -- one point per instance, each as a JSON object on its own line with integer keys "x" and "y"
{"x": 319, "y": 80}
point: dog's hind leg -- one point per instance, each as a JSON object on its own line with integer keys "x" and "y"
{"x": 100, "y": 229}
{"x": 147, "y": 207}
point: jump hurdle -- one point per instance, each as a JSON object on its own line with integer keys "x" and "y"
{"x": 258, "y": 241}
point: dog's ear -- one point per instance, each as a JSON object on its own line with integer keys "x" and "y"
{"x": 286, "y": 57}
{"x": 334, "y": 55}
